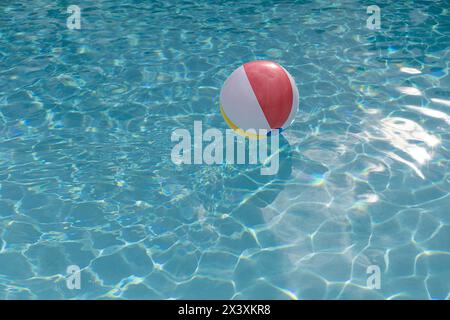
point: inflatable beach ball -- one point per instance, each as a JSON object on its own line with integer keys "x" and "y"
{"x": 259, "y": 95}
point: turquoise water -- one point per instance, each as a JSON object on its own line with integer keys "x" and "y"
{"x": 86, "y": 177}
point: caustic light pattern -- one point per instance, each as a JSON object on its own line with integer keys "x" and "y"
{"x": 260, "y": 95}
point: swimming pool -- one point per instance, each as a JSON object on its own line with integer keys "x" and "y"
{"x": 86, "y": 118}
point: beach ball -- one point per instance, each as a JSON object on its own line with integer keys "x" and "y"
{"x": 259, "y": 95}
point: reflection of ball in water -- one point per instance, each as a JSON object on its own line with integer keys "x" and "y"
{"x": 259, "y": 95}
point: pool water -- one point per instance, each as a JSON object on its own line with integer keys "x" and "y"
{"x": 86, "y": 178}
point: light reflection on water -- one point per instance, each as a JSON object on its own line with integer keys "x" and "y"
{"x": 408, "y": 137}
